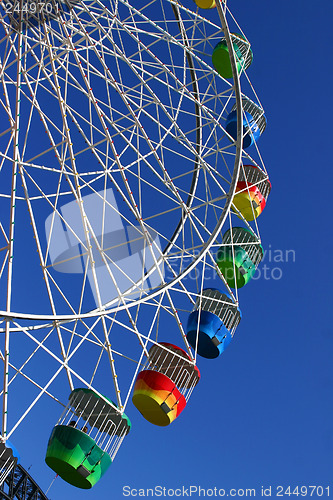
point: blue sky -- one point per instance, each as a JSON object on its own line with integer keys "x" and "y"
{"x": 262, "y": 413}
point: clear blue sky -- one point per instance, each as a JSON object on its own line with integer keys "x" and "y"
{"x": 263, "y": 412}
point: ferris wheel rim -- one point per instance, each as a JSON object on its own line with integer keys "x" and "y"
{"x": 10, "y": 323}
{"x": 112, "y": 306}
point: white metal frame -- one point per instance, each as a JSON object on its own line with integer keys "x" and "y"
{"x": 52, "y": 72}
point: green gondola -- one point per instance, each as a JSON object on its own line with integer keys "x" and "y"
{"x": 86, "y": 438}
{"x": 243, "y": 55}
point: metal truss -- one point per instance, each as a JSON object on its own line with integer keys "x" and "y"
{"x": 19, "y": 485}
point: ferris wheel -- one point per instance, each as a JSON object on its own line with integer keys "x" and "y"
{"x": 131, "y": 183}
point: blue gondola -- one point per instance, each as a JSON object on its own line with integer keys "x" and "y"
{"x": 212, "y": 323}
{"x": 254, "y": 122}
{"x": 9, "y": 458}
